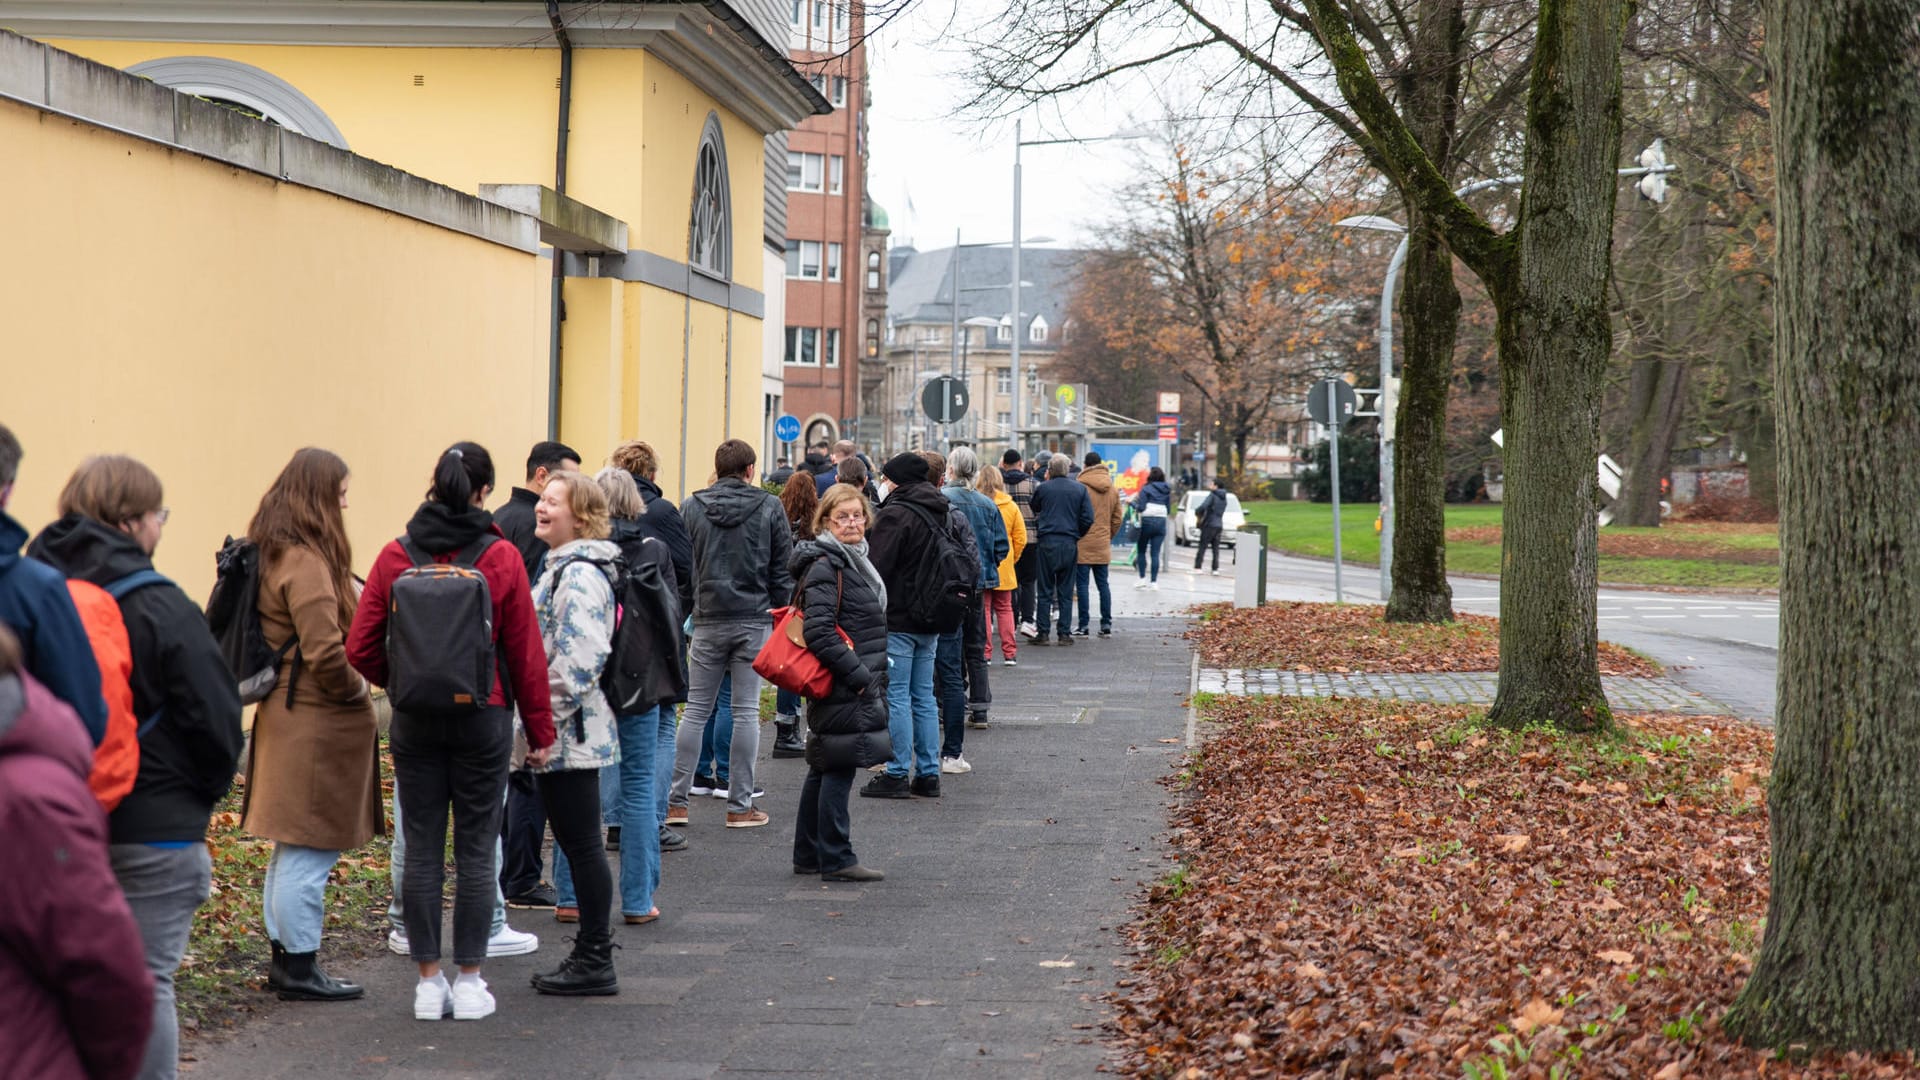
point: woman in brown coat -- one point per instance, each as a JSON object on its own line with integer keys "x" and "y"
{"x": 313, "y": 785}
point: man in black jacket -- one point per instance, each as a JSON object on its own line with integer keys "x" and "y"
{"x": 902, "y": 531}
{"x": 515, "y": 517}
{"x": 1211, "y": 516}
{"x": 1062, "y": 514}
{"x": 741, "y": 546}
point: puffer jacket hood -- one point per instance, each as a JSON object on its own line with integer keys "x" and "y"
{"x": 730, "y": 502}
{"x": 1098, "y": 478}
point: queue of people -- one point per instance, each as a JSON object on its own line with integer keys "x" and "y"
{"x": 560, "y": 663}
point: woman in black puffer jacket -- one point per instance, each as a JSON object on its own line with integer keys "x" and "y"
{"x": 840, "y": 591}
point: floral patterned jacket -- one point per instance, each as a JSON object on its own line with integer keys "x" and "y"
{"x": 574, "y": 604}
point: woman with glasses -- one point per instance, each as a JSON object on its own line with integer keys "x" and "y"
{"x": 840, "y": 593}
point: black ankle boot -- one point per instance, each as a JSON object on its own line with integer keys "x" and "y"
{"x": 786, "y": 740}
{"x": 277, "y": 967}
{"x": 302, "y": 979}
{"x": 586, "y": 972}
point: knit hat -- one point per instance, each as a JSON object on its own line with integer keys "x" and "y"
{"x": 905, "y": 468}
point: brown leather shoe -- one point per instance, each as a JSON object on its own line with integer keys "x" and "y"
{"x": 676, "y": 815}
{"x": 752, "y": 819}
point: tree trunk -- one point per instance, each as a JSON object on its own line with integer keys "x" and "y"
{"x": 1430, "y": 314}
{"x": 1555, "y": 336}
{"x": 1657, "y": 396}
{"x": 1837, "y": 967}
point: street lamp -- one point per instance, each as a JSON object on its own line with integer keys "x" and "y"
{"x": 1652, "y": 171}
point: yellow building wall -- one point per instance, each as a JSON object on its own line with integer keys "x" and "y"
{"x": 210, "y": 322}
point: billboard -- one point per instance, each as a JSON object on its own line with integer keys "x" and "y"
{"x": 1128, "y": 460}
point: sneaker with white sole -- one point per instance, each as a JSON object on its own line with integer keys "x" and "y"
{"x": 397, "y": 943}
{"x": 432, "y": 998}
{"x": 471, "y": 1000}
{"x": 511, "y": 942}
{"x": 1009, "y": 662}
{"x": 955, "y": 765}
{"x": 702, "y": 785}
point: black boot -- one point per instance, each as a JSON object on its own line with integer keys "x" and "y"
{"x": 786, "y": 739}
{"x": 277, "y": 967}
{"x": 587, "y": 972}
{"x": 302, "y": 980}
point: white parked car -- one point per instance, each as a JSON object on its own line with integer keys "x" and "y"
{"x": 1186, "y": 523}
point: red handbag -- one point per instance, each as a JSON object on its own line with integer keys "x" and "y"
{"x": 786, "y": 662}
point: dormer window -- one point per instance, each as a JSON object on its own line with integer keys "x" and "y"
{"x": 1037, "y": 330}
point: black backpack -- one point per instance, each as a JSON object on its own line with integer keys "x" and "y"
{"x": 944, "y": 583}
{"x": 233, "y": 614}
{"x": 644, "y": 669}
{"x": 440, "y": 633}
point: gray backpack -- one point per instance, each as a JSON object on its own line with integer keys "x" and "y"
{"x": 440, "y": 633}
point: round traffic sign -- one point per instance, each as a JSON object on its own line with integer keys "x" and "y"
{"x": 786, "y": 427}
{"x": 1343, "y": 401}
{"x": 944, "y": 399}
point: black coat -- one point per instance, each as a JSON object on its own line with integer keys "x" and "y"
{"x": 664, "y": 523}
{"x": 648, "y": 560}
{"x": 895, "y": 544}
{"x": 847, "y": 729}
{"x": 515, "y": 518}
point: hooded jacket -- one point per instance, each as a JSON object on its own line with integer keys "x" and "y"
{"x": 1016, "y": 539}
{"x": 894, "y": 545}
{"x": 1096, "y": 547}
{"x": 1212, "y": 512}
{"x": 663, "y": 522}
{"x": 847, "y": 729}
{"x": 441, "y": 531}
{"x": 1061, "y": 510}
{"x": 1154, "y": 491}
{"x": 661, "y": 616}
{"x": 188, "y": 757}
{"x": 989, "y": 532}
{"x": 573, "y": 601}
{"x": 74, "y": 985}
{"x": 741, "y": 545}
{"x": 35, "y": 603}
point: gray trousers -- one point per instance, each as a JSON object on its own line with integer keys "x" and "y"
{"x": 720, "y": 648}
{"x": 164, "y": 887}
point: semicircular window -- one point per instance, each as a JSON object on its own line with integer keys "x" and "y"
{"x": 245, "y": 89}
{"x": 709, "y": 246}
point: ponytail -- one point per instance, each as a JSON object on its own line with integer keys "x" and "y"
{"x": 465, "y": 468}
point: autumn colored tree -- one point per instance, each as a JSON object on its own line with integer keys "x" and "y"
{"x": 1836, "y": 968}
{"x": 1118, "y": 311}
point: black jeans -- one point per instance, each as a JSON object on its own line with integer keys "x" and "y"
{"x": 1026, "y": 572}
{"x": 1058, "y": 556}
{"x": 1209, "y": 538}
{"x": 521, "y": 833}
{"x": 573, "y": 808}
{"x": 820, "y": 830}
{"x": 960, "y": 679}
{"x": 458, "y": 762}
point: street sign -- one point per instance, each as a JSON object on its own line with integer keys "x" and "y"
{"x": 786, "y": 427}
{"x": 1344, "y": 400}
{"x": 1065, "y": 394}
{"x": 944, "y": 399}
{"x": 1170, "y": 425}
{"x": 1169, "y": 402}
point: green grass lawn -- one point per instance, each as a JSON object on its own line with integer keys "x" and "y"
{"x": 1733, "y": 556}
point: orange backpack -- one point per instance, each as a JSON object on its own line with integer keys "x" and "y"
{"x": 116, "y": 761}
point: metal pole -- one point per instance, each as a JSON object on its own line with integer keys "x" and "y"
{"x": 953, "y": 302}
{"x": 1333, "y": 458}
{"x": 1385, "y": 406}
{"x": 1013, "y": 359}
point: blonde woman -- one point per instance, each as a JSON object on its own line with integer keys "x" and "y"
{"x": 997, "y": 602}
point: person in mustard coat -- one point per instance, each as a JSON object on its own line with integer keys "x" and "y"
{"x": 998, "y": 601}
{"x": 313, "y": 782}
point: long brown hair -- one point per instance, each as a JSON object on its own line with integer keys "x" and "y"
{"x": 302, "y": 509}
{"x": 800, "y": 497}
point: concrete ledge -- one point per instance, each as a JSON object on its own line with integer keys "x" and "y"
{"x": 78, "y": 89}
{"x": 566, "y": 224}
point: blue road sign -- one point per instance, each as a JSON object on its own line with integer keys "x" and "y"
{"x": 786, "y": 427}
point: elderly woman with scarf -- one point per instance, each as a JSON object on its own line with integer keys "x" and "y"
{"x": 840, "y": 593}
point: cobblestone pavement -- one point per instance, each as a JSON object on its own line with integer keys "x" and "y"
{"x": 1447, "y": 688}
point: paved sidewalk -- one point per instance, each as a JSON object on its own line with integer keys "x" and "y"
{"x": 954, "y": 966}
{"x": 1447, "y": 688}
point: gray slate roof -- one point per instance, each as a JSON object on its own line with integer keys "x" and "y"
{"x": 919, "y": 290}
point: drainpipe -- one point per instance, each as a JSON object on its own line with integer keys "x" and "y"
{"x": 557, "y": 311}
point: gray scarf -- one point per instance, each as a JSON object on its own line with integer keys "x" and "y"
{"x": 857, "y": 555}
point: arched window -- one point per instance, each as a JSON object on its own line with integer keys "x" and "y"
{"x": 873, "y": 271}
{"x": 873, "y": 337}
{"x": 252, "y": 89}
{"x": 710, "y": 232}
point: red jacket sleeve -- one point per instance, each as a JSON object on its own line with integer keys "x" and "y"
{"x": 517, "y": 632}
{"x": 367, "y": 637}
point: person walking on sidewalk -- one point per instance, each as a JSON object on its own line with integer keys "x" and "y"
{"x": 997, "y": 602}
{"x": 1062, "y": 514}
{"x": 1211, "y": 517}
{"x": 967, "y": 694}
{"x": 456, "y": 757}
{"x": 574, "y": 604}
{"x": 313, "y": 783}
{"x": 741, "y": 547}
{"x": 903, "y": 531}
{"x": 1095, "y": 551}
{"x": 1026, "y": 569}
{"x": 800, "y": 499}
{"x": 841, "y": 593}
{"x": 1154, "y": 504}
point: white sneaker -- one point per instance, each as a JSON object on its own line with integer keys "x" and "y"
{"x": 471, "y": 1001}
{"x": 432, "y": 998}
{"x": 397, "y": 943}
{"x": 510, "y": 942}
{"x": 955, "y": 765}
{"x": 1140, "y": 583}
{"x": 1153, "y": 585}
{"x": 1009, "y": 662}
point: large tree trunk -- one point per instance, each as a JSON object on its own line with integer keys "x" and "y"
{"x": 1555, "y": 337}
{"x": 1837, "y": 967}
{"x": 1656, "y": 400}
{"x": 1430, "y": 312}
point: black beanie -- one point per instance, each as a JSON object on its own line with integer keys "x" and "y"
{"x": 905, "y": 468}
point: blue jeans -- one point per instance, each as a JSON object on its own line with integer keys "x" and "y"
{"x": 1098, "y": 571}
{"x": 1146, "y": 550}
{"x": 293, "y": 896}
{"x": 913, "y": 717}
{"x": 637, "y": 805}
{"x": 786, "y": 705}
{"x": 164, "y": 887}
{"x": 717, "y": 745}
